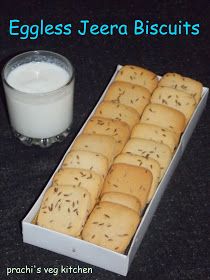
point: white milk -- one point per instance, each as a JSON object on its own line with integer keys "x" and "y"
{"x": 40, "y": 103}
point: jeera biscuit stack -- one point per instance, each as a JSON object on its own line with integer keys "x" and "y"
{"x": 111, "y": 225}
{"x": 134, "y": 96}
{"x": 78, "y": 177}
{"x": 65, "y": 209}
{"x": 104, "y": 126}
{"x": 181, "y": 101}
{"x": 118, "y": 111}
{"x": 183, "y": 84}
{"x": 149, "y": 163}
{"x": 138, "y": 76}
{"x": 114, "y": 166}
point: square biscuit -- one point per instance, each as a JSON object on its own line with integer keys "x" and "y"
{"x": 164, "y": 117}
{"x": 117, "y": 129}
{"x": 87, "y": 160}
{"x": 76, "y": 177}
{"x": 101, "y": 144}
{"x": 116, "y": 111}
{"x": 129, "y": 179}
{"x": 127, "y": 200}
{"x": 176, "y": 99}
{"x": 134, "y": 96}
{"x": 188, "y": 85}
{"x": 155, "y": 133}
{"x": 64, "y": 209}
{"x": 138, "y": 76}
{"x": 150, "y": 149}
{"x": 111, "y": 226}
{"x": 152, "y": 165}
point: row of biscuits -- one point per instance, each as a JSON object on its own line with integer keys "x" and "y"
{"x": 157, "y": 134}
{"x": 106, "y": 175}
{"x": 151, "y": 146}
{"x": 114, "y": 220}
{"x": 127, "y": 185}
{"x": 90, "y": 157}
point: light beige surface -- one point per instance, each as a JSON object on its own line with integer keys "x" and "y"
{"x": 127, "y": 200}
{"x": 150, "y": 149}
{"x": 176, "y": 99}
{"x": 86, "y": 179}
{"x": 116, "y": 111}
{"x": 139, "y": 76}
{"x": 117, "y": 129}
{"x": 152, "y": 165}
{"x": 129, "y": 179}
{"x": 188, "y": 85}
{"x": 164, "y": 117}
{"x": 87, "y": 160}
{"x": 101, "y": 144}
{"x": 111, "y": 226}
{"x": 134, "y": 96}
{"x": 155, "y": 133}
{"x": 64, "y": 209}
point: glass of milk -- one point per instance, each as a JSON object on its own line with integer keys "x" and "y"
{"x": 39, "y": 89}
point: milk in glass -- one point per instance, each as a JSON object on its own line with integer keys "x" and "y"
{"x": 40, "y": 98}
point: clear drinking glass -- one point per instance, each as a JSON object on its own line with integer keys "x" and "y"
{"x": 43, "y": 117}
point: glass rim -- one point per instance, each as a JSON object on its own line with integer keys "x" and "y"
{"x": 51, "y": 92}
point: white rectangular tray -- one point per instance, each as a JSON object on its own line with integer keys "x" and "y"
{"x": 93, "y": 254}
